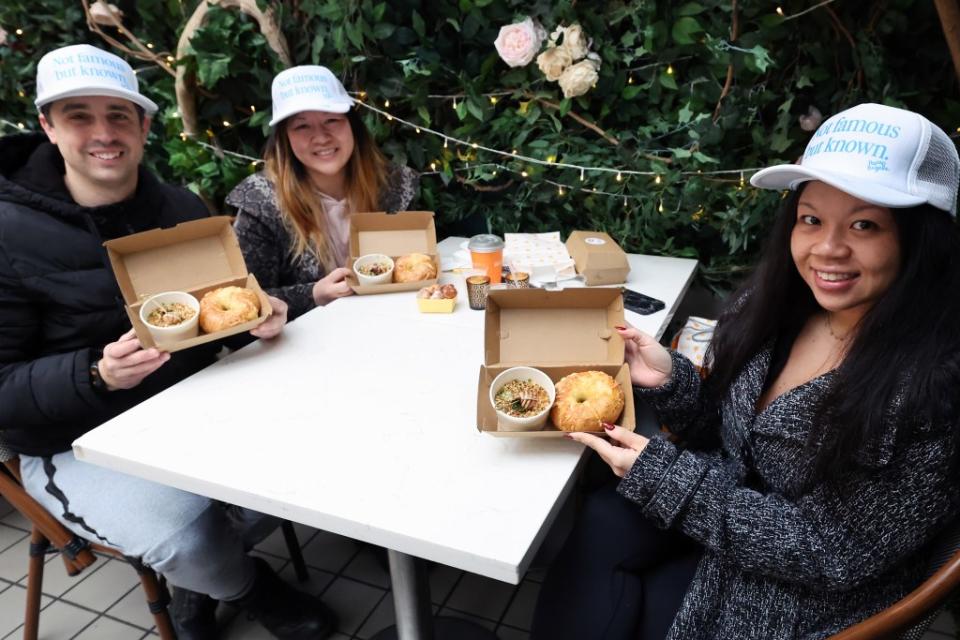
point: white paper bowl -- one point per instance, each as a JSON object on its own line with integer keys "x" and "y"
{"x": 507, "y": 422}
{"x": 188, "y": 329}
{"x": 383, "y": 278}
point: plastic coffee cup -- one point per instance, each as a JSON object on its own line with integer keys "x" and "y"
{"x": 486, "y": 252}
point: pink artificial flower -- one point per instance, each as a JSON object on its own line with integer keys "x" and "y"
{"x": 518, "y": 43}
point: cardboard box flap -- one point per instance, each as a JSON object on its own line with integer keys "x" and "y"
{"x": 188, "y": 256}
{"x": 536, "y": 327}
{"x": 392, "y": 234}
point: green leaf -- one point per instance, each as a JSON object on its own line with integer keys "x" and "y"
{"x": 379, "y": 11}
{"x": 684, "y": 114}
{"x": 418, "y": 25}
{"x": 684, "y": 29}
{"x": 383, "y": 30}
{"x": 475, "y": 110}
{"x": 761, "y": 58}
{"x": 631, "y": 91}
{"x": 668, "y": 81}
{"x": 690, "y": 9}
{"x": 565, "y": 105}
{"x": 424, "y": 113}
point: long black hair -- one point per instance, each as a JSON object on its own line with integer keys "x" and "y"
{"x": 906, "y": 343}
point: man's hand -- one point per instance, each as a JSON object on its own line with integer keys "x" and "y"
{"x": 125, "y": 364}
{"x": 274, "y": 324}
{"x": 621, "y": 454}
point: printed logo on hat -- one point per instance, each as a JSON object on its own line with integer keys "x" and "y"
{"x": 84, "y": 70}
{"x": 307, "y": 88}
{"x": 883, "y": 155}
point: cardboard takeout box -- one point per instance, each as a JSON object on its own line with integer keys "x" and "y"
{"x": 394, "y": 235}
{"x": 598, "y": 257}
{"x": 194, "y": 257}
{"x": 558, "y": 332}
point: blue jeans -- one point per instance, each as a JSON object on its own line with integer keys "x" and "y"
{"x": 195, "y": 542}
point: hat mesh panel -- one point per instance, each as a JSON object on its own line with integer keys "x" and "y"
{"x": 939, "y": 172}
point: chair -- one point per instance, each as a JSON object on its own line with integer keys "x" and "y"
{"x": 78, "y": 554}
{"x": 908, "y": 618}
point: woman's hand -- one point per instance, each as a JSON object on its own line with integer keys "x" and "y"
{"x": 273, "y": 326}
{"x": 125, "y": 364}
{"x": 650, "y": 364}
{"x": 621, "y": 454}
{"x": 332, "y": 286}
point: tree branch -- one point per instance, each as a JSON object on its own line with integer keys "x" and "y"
{"x": 728, "y": 83}
{"x": 950, "y": 21}
{"x": 589, "y": 125}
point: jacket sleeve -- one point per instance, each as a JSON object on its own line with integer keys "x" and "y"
{"x": 264, "y": 250}
{"x": 36, "y": 390}
{"x": 680, "y": 404}
{"x": 837, "y": 536}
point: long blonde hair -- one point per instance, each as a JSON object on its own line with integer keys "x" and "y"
{"x": 301, "y": 210}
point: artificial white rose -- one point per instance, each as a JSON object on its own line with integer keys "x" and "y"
{"x": 3, "y": 36}
{"x": 575, "y": 41}
{"x": 553, "y": 62}
{"x": 577, "y": 79}
{"x": 518, "y": 43}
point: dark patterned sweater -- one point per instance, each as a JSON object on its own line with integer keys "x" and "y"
{"x": 266, "y": 241}
{"x": 780, "y": 561}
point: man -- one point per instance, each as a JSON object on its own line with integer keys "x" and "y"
{"x": 69, "y": 360}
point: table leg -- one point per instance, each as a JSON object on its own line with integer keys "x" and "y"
{"x": 411, "y": 600}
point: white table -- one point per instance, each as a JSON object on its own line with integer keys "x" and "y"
{"x": 361, "y": 418}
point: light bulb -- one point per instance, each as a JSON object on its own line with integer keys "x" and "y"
{"x": 386, "y": 104}
{"x": 669, "y": 69}
{"x": 524, "y": 174}
{"x": 619, "y": 177}
{"x": 657, "y": 179}
{"x": 780, "y": 11}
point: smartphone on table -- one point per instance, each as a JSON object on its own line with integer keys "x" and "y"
{"x": 640, "y": 303}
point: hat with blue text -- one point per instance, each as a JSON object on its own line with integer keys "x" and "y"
{"x": 83, "y": 70}
{"x": 882, "y": 155}
{"x": 307, "y": 88}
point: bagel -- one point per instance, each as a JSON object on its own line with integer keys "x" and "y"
{"x": 227, "y": 307}
{"x": 585, "y": 400}
{"x": 414, "y": 267}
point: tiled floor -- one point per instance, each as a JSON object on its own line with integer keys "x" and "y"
{"x": 105, "y": 601}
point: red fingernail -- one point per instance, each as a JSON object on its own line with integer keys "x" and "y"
{"x": 608, "y": 426}
{"x": 620, "y": 328}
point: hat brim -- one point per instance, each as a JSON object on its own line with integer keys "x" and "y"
{"x": 148, "y": 105}
{"x": 790, "y": 176}
{"x": 331, "y": 106}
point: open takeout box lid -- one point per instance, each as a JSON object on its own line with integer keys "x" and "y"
{"x": 558, "y": 332}
{"x": 394, "y": 235}
{"x": 194, "y": 257}
{"x": 598, "y": 257}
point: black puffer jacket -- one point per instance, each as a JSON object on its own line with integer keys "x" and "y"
{"x": 59, "y": 301}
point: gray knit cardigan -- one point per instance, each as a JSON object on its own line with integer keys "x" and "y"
{"x": 266, "y": 241}
{"x": 780, "y": 561}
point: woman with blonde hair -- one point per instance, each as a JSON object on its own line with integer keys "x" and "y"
{"x": 293, "y": 218}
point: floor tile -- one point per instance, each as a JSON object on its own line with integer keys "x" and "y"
{"x": 442, "y": 580}
{"x": 12, "y": 602}
{"x": 481, "y": 596}
{"x": 63, "y": 620}
{"x": 509, "y": 633}
{"x": 5, "y": 508}
{"x": 329, "y": 551}
{"x": 14, "y": 519}
{"x": 453, "y": 613}
{"x": 105, "y": 587}
{"x": 520, "y": 612}
{"x": 352, "y": 602}
{"x": 56, "y": 580}
{"x": 107, "y": 629}
{"x": 14, "y": 560}
{"x": 10, "y": 536}
{"x": 317, "y": 580}
{"x": 365, "y": 567}
{"x": 132, "y": 608}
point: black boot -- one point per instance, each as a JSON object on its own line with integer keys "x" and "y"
{"x": 194, "y": 615}
{"x": 285, "y": 612}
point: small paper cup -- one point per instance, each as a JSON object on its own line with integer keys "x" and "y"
{"x": 383, "y": 278}
{"x": 182, "y": 331}
{"x": 506, "y": 422}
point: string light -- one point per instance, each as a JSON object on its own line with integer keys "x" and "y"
{"x": 226, "y": 123}
{"x": 551, "y": 159}
{"x": 514, "y": 152}
{"x": 619, "y": 177}
{"x": 171, "y": 59}
{"x": 669, "y": 69}
{"x": 493, "y": 99}
{"x": 20, "y": 125}
{"x": 418, "y": 129}
{"x": 657, "y": 179}
{"x": 624, "y": 201}
{"x": 630, "y": 80}
{"x": 454, "y": 104}
{"x": 253, "y": 109}
{"x": 524, "y": 174}
{"x": 19, "y": 32}
{"x": 183, "y": 136}
{"x": 780, "y": 11}
{"x": 581, "y": 175}
{"x": 445, "y": 145}
{"x": 660, "y": 208}
{"x": 433, "y": 166}
{"x": 474, "y": 145}
{"x": 742, "y": 181}
{"x": 386, "y": 104}
{"x": 149, "y": 45}
{"x": 22, "y": 95}
{"x": 560, "y": 191}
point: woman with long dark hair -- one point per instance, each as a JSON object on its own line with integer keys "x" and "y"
{"x": 321, "y": 165}
{"x": 810, "y": 468}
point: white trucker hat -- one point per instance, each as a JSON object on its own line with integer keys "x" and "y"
{"x": 883, "y": 155}
{"x": 307, "y": 88}
{"x": 83, "y": 70}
